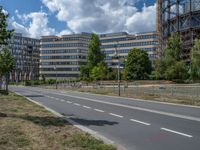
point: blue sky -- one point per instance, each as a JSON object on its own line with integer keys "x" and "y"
{"x": 35, "y": 18}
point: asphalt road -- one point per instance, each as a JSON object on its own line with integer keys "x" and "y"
{"x": 133, "y": 124}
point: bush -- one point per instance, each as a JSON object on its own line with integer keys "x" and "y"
{"x": 36, "y": 82}
{"x": 155, "y": 75}
{"x": 177, "y": 71}
{"x": 51, "y": 81}
{"x": 27, "y": 83}
{"x": 178, "y": 81}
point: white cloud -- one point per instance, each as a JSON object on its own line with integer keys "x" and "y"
{"x": 142, "y": 21}
{"x": 64, "y": 32}
{"x": 103, "y": 16}
{"x": 99, "y": 16}
{"x": 38, "y": 24}
{"x": 4, "y": 11}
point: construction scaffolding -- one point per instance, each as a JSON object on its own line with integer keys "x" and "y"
{"x": 181, "y": 16}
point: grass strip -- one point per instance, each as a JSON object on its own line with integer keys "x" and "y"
{"x": 25, "y": 125}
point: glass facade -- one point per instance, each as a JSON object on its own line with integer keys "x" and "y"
{"x": 62, "y": 56}
{"x": 122, "y": 43}
{"x": 26, "y": 54}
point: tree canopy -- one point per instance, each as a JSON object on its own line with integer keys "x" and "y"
{"x": 85, "y": 73}
{"x": 99, "y": 72}
{"x": 4, "y": 33}
{"x": 195, "y": 61}
{"x": 6, "y": 59}
{"x": 95, "y": 55}
{"x": 171, "y": 65}
{"x": 138, "y": 65}
{"x": 95, "y": 60}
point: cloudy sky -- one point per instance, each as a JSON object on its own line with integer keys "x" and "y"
{"x": 35, "y": 18}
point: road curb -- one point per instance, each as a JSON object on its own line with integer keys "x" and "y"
{"x": 128, "y": 98}
{"x": 81, "y": 127}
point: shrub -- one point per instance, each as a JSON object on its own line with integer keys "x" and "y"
{"x": 51, "y": 81}
{"x": 27, "y": 83}
{"x": 36, "y": 82}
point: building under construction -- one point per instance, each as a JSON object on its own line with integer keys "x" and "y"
{"x": 181, "y": 16}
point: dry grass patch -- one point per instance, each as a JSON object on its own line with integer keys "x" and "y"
{"x": 155, "y": 97}
{"x": 25, "y": 125}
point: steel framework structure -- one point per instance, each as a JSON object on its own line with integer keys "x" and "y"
{"x": 181, "y": 16}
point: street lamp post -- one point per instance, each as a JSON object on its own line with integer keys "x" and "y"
{"x": 56, "y": 77}
{"x": 119, "y": 93}
{"x": 118, "y": 68}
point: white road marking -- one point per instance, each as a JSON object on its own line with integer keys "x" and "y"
{"x": 141, "y": 122}
{"x": 62, "y": 100}
{"x": 77, "y": 104}
{"x": 136, "y": 108}
{"x": 142, "y": 100}
{"x": 69, "y": 102}
{"x": 176, "y": 132}
{"x": 98, "y": 110}
{"x": 87, "y": 107}
{"x": 116, "y": 115}
{"x": 83, "y": 128}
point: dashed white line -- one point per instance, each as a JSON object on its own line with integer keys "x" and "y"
{"x": 98, "y": 110}
{"x": 141, "y": 122}
{"x": 77, "y": 104}
{"x": 87, "y": 107}
{"x": 133, "y": 107}
{"x": 176, "y": 132}
{"x": 116, "y": 115}
{"x": 62, "y": 100}
{"x": 69, "y": 102}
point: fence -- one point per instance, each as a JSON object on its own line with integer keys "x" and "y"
{"x": 179, "y": 91}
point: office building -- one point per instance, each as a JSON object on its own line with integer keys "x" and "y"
{"x": 61, "y": 57}
{"x": 26, "y": 54}
{"x": 121, "y": 43}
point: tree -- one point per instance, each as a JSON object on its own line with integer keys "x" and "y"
{"x": 6, "y": 60}
{"x": 176, "y": 71}
{"x": 95, "y": 57}
{"x": 171, "y": 65}
{"x": 160, "y": 68}
{"x": 173, "y": 50}
{"x": 95, "y": 54}
{"x": 195, "y": 61}
{"x": 85, "y": 72}
{"x": 7, "y": 64}
{"x": 99, "y": 72}
{"x": 4, "y": 33}
{"x": 112, "y": 74}
{"x": 138, "y": 65}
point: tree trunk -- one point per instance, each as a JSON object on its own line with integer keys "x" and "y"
{"x": 1, "y": 82}
{"x": 7, "y": 78}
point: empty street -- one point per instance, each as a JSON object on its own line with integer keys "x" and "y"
{"x": 132, "y": 124}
